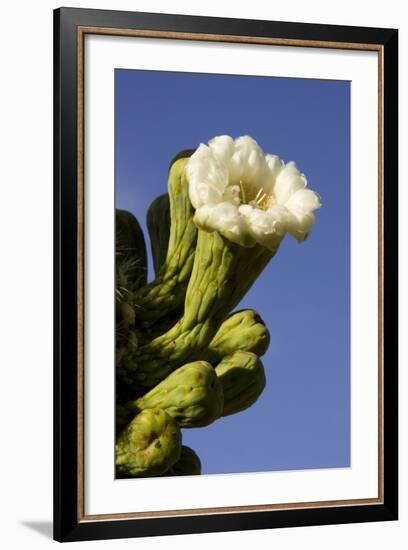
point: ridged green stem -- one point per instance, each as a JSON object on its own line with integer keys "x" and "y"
{"x": 158, "y": 225}
{"x": 223, "y": 272}
{"x": 192, "y": 394}
{"x": 130, "y": 251}
{"x": 166, "y": 293}
{"x": 130, "y": 275}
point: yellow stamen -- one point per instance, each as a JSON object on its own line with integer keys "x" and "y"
{"x": 261, "y": 199}
{"x": 241, "y": 186}
{"x": 258, "y": 194}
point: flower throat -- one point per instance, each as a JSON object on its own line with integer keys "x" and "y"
{"x": 261, "y": 200}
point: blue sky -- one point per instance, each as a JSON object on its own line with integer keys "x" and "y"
{"x": 302, "y": 419}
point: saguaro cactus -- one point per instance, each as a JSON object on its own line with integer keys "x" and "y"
{"x": 183, "y": 359}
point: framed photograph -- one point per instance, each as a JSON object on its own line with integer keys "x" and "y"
{"x": 225, "y": 274}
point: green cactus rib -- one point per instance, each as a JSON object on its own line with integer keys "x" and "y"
{"x": 242, "y": 377}
{"x": 241, "y": 331}
{"x": 130, "y": 252}
{"x": 161, "y": 326}
{"x": 158, "y": 225}
{"x": 188, "y": 464}
{"x": 223, "y": 272}
{"x": 131, "y": 273}
{"x": 192, "y": 395}
{"x": 166, "y": 293}
{"x": 149, "y": 446}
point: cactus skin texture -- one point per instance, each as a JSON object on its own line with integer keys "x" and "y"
{"x": 188, "y": 464}
{"x": 242, "y": 331}
{"x": 223, "y": 272}
{"x": 149, "y": 446}
{"x": 131, "y": 274}
{"x": 130, "y": 251}
{"x": 166, "y": 293}
{"x": 242, "y": 377}
{"x": 192, "y": 395}
{"x": 158, "y": 225}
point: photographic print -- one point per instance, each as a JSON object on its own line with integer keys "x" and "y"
{"x": 232, "y": 269}
{"x": 225, "y": 274}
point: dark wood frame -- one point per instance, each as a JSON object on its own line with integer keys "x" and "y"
{"x": 70, "y": 27}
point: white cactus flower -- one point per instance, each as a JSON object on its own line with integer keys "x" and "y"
{"x": 247, "y": 196}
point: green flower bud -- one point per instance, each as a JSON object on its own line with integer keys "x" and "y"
{"x": 242, "y": 331}
{"x": 242, "y": 377}
{"x": 149, "y": 445}
{"x": 192, "y": 395}
{"x": 188, "y": 464}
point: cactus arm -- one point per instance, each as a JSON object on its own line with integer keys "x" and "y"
{"x": 222, "y": 274}
{"x": 130, "y": 250}
{"x": 149, "y": 446}
{"x": 130, "y": 274}
{"x": 158, "y": 225}
{"x": 242, "y": 377}
{"x": 166, "y": 293}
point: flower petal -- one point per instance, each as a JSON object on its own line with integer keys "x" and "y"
{"x": 231, "y": 184}
{"x": 266, "y": 226}
{"x": 231, "y": 194}
{"x": 207, "y": 193}
{"x": 304, "y": 199}
{"x": 288, "y": 181}
{"x": 207, "y": 177}
{"x": 300, "y": 225}
{"x": 273, "y": 167}
{"x": 247, "y": 164}
{"x": 222, "y": 148}
{"x": 224, "y": 218}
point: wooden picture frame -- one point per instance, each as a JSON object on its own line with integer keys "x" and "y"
{"x": 71, "y": 26}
